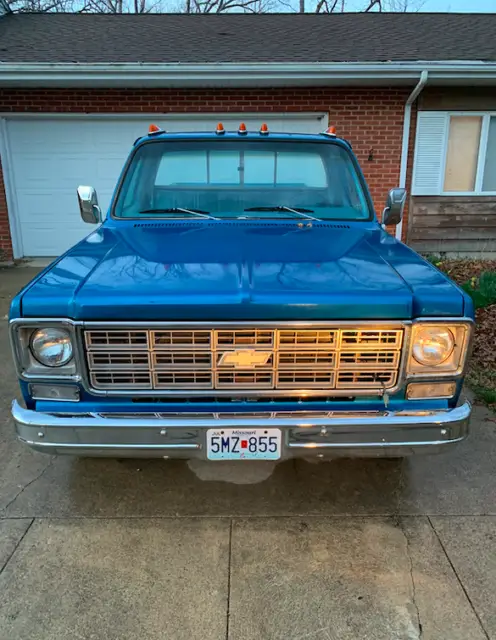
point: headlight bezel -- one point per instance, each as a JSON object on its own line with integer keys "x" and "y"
{"x": 28, "y": 367}
{"x": 454, "y": 365}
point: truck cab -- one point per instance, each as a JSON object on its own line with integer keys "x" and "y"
{"x": 241, "y": 300}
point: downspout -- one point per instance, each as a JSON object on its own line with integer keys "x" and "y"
{"x": 406, "y": 137}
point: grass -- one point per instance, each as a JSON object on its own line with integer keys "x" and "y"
{"x": 478, "y": 279}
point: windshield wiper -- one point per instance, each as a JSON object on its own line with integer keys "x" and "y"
{"x": 300, "y": 211}
{"x": 192, "y": 212}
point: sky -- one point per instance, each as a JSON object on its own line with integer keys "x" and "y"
{"x": 470, "y": 6}
{"x": 454, "y": 6}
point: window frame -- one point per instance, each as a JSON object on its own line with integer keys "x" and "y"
{"x": 481, "y": 156}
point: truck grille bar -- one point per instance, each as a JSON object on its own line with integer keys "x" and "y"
{"x": 243, "y": 359}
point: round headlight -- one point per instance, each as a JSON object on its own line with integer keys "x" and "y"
{"x": 51, "y": 347}
{"x": 432, "y": 345}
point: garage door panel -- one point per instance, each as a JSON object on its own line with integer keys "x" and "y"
{"x": 51, "y": 170}
{"x": 41, "y": 243}
{"x": 68, "y": 227}
{"x": 51, "y": 157}
{"x": 108, "y": 169}
{"x": 104, "y": 198}
{"x": 117, "y": 136}
{"x": 39, "y": 206}
{"x": 51, "y": 135}
{"x": 278, "y": 122}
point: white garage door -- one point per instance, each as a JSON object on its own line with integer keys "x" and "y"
{"x": 49, "y": 158}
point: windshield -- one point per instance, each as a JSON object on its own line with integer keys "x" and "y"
{"x": 242, "y": 178}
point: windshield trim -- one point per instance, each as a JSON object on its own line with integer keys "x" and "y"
{"x": 337, "y": 142}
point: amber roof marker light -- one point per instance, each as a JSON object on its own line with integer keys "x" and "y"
{"x": 242, "y": 129}
{"x": 264, "y": 130}
{"x": 330, "y": 131}
{"x": 154, "y": 129}
{"x": 219, "y": 130}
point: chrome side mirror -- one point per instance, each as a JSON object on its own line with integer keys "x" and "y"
{"x": 395, "y": 204}
{"x": 88, "y": 205}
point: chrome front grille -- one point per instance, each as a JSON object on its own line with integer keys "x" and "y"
{"x": 371, "y": 337}
{"x": 310, "y": 338}
{"x": 244, "y": 338}
{"x": 198, "y": 339}
{"x": 244, "y": 359}
{"x": 121, "y": 379}
{"x": 116, "y": 339}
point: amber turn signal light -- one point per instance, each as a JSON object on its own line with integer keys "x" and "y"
{"x": 430, "y": 390}
{"x": 220, "y": 129}
{"x": 242, "y": 128}
{"x": 264, "y": 129}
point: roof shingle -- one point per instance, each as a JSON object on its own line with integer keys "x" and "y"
{"x": 346, "y": 37}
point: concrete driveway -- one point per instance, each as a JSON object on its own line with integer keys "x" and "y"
{"x": 344, "y": 550}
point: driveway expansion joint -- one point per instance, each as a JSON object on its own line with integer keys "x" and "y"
{"x": 399, "y": 524}
{"x": 453, "y": 568}
{"x": 17, "y": 546}
{"x": 229, "y": 578}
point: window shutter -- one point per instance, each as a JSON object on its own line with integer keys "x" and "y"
{"x": 430, "y": 145}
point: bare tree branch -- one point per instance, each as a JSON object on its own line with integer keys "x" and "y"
{"x": 323, "y": 6}
{"x": 203, "y": 6}
{"x": 372, "y": 4}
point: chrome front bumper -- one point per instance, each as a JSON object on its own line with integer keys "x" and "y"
{"x": 352, "y": 434}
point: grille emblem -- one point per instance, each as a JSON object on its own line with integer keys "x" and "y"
{"x": 245, "y": 358}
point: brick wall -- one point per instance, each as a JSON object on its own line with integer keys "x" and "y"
{"x": 371, "y": 119}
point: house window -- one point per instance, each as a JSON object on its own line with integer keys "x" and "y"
{"x": 455, "y": 154}
{"x": 471, "y": 154}
{"x": 463, "y": 151}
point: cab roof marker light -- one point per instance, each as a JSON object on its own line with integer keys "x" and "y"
{"x": 242, "y": 129}
{"x": 220, "y": 129}
{"x": 264, "y": 130}
{"x": 153, "y": 129}
{"x": 330, "y": 131}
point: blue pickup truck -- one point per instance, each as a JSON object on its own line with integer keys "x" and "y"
{"x": 240, "y": 300}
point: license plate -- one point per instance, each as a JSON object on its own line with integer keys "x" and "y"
{"x": 243, "y": 444}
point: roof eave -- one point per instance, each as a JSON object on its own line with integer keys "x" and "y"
{"x": 243, "y": 74}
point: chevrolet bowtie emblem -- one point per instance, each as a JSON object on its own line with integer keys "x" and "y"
{"x": 244, "y": 358}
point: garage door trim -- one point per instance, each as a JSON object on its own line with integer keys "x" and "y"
{"x": 199, "y": 115}
{"x": 12, "y": 209}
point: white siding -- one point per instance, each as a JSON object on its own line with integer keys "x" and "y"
{"x": 429, "y": 157}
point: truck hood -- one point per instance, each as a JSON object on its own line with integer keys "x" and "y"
{"x": 240, "y": 270}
